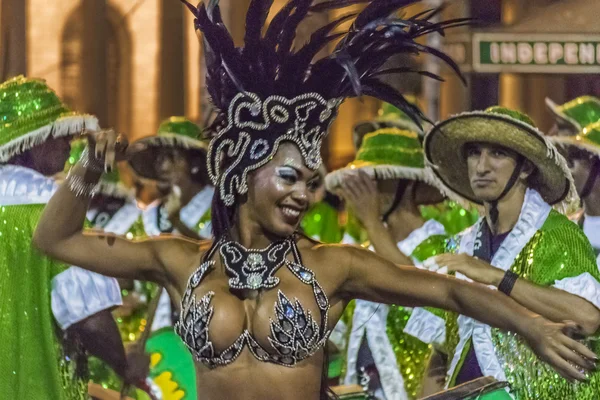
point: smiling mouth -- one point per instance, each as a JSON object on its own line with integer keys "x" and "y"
{"x": 291, "y": 215}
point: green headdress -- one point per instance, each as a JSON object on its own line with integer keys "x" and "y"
{"x": 31, "y": 112}
{"x": 110, "y": 183}
{"x": 445, "y": 156}
{"x": 174, "y": 132}
{"x": 577, "y": 113}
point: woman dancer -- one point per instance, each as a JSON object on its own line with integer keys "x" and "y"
{"x": 258, "y": 302}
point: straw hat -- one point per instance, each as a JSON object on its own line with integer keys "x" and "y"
{"x": 445, "y": 143}
{"x": 31, "y": 112}
{"x": 175, "y": 132}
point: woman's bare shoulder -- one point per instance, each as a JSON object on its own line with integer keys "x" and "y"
{"x": 322, "y": 253}
{"x": 180, "y": 255}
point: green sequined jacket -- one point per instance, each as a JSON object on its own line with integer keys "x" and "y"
{"x": 34, "y": 362}
{"x": 400, "y": 358}
{"x": 549, "y": 250}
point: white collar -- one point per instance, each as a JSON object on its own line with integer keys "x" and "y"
{"x": 20, "y": 185}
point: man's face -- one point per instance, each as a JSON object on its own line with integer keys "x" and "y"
{"x": 490, "y": 168}
{"x": 49, "y": 158}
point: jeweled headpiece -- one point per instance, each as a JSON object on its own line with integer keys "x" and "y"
{"x": 266, "y": 92}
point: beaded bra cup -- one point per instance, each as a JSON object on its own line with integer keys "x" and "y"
{"x": 295, "y": 335}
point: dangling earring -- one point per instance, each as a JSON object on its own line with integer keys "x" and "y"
{"x": 195, "y": 170}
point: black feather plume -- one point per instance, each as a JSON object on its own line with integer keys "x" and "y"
{"x": 267, "y": 64}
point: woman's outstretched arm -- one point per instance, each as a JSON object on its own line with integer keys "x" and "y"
{"x": 373, "y": 278}
{"x": 60, "y": 230}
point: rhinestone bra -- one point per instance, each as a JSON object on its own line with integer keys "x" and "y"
{"x": 295, "y": 335}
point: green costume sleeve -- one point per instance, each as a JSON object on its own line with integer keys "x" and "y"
{"x": 33, "y": 364}
{"x": 560, "y": 250}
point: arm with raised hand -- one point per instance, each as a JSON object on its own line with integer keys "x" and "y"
{"x": 372, "y": 278}
{"x": 60, "y": 232}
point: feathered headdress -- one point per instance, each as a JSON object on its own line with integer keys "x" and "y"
{"x": 266, "y": 93}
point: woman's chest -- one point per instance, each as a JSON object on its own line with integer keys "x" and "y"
{"x": 283, "y": 324}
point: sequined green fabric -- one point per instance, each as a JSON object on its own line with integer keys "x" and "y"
{"x": 452, "y": 215}
{"x": 322, "y": 223}
{"x": 558, "y": 250}
{"x": 180, "y": 126}
{"x": 582, "y": 111}
{"x": 33, "y": 365}
{"x": 412, "y": 355}
{"x": 26, "y": 106}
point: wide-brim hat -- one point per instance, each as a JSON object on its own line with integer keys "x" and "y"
{"x": 31, "y": 112}
{"x": 175, "y": 132}
{"x": 388, "y": 116}
{"x": 577, "y": 113}
{"x": 110, "y": 183}
{"x": 445, "y": 156}
{"x": 588, "y": 139}
{"x": 389, "y": 153}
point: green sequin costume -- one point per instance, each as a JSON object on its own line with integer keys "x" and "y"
{"x": 557, "y": 254}
{"x": 401, "y": 359}
{"x": 34, "y": 364}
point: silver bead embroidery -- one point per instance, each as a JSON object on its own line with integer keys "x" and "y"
{"x": 309, "y": 115}
{"x": 294, "y": 334}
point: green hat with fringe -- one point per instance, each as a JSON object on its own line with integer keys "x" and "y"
{"x": 387, "y": 117}
{"x": 174, "y": 132}
{"x": 578, "y": 113}
{"x": 387, "y": 153}
{"x": 587, "y": 139}
{"x": 110, "y": 183}
{"x": 31, "y": 112}
{"x": 445, "y": 156}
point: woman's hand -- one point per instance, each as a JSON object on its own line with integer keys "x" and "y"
{"x": 360, "y": 191}
{"x": 555, "y": 344}
{"x": 471, "y": 267}
{"x": 107, "y": 147}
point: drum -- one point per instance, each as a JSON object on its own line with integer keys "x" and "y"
{"x": 480, "y": 389}
{"x": 171, "y": 366}
{"x": 350, "y": 392}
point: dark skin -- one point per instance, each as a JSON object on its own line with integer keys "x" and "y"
{"x": 580, "y": 163}
{"x": 176, "y": 182}
{"x": 370, "y": 200}
{"x": 99, "y": 333}
{"x": 284, "y": 182}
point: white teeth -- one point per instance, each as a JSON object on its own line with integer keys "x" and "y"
{"x": 290, "y": 212}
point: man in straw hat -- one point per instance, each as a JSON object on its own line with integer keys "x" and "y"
{"x": 528, "y": 250}
{"x": 35, "y": 130}
{"x": 576, "y": 133}
{"x": 387, "y": 187}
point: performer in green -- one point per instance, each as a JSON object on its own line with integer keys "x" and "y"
{"x": 576, "y": 128}
{"x": 49, "y": 315}
{"x": 528, "y": 250}
{"x": 389, "y": 190}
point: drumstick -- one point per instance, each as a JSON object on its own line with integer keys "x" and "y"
{"x": 141, "y": 343}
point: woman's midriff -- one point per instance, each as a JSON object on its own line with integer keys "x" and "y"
{"x": 249, "y": 379}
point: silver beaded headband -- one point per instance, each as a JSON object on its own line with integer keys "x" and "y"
{"x": 254, "y": 132}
